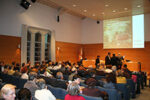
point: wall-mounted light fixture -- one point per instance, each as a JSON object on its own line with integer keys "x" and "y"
{"x": 58, "y": 48}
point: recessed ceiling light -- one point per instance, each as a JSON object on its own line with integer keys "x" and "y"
{"x": 138, "y": 6}
{"x": 114, "y": 11}
{"x": 106, "y": 5}
{"x": 85, "y": 10}
{"x": 93, "y": 14}
{"x": 125, "y": 8}
{"x": 74, "y": 5}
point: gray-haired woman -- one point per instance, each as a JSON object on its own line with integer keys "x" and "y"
{"x": 73, "y": 92}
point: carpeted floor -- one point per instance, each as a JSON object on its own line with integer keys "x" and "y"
{"x": 145, "y": 94}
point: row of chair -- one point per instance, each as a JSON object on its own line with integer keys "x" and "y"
{"x": 58, "y": 92}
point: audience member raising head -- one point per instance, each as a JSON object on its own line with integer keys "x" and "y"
{"x": 8, "y": 92}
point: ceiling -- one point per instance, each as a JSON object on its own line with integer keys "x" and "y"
{"x": 100, "y": 9}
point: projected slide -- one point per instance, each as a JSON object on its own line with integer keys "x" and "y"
{"x": 125, "y": 32}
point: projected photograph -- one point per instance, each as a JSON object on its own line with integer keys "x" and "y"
{"x": 118, "y": 33}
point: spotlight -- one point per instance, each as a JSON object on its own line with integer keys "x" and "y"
{"x": 25, "y": 4}
{"x": 33, "y": 1}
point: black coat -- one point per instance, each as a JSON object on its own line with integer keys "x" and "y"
{"x": 107, "y": 60}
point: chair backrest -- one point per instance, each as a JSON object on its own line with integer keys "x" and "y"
{"x": 113, "y": 94}
{"x": 131, "y": 84}
{"x": 91, "y": 98}
{"x": 98, "y": 77}
{"x": 57, "y": 92}
{"x": 124, "y": 88}
{"x": 65, "y": 77}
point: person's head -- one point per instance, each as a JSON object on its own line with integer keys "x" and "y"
{"x": 13, "y": 63}
{"x": 59, "y": 75}
{"x": 109, "y": 53}
{"x": 43, "y": 63}
{"x": 8, "y": 92}
{"x": 114, "y": 68}
{"x": 114, "y": 55}
{"x": 41, "y": 83}
{"x": 10, "y": 68}
{"x": 32, "y": 76}
{"x": 73, "y": 89}
{"x": 24, "y": 94}
{"x": 77, "y": 79}
{"x": 108, "y": 78}
{"x": 98, "y": 56}
{"x": 111, "y": 77}
{"x": 91, "y": 82}
{"x": 125, "y": 66}
{"x": 50, "y": 63}
{"x": 23, "y": 64}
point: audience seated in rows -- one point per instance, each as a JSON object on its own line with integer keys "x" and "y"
{"x": 56, "y": 78}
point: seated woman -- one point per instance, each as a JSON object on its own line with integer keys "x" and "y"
{"x": 43, "y": 93}
{"x": 91, "y": 90}
{"x": 73, "y": 92}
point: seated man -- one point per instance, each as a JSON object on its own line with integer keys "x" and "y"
{"x": 8, "y": 92}
{"x": 30, "y": 84}
{"x": 43, "y": 93}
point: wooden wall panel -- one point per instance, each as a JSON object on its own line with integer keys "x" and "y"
{"x": 90, "y": 51}
{"x": 70, "y": 51}
{"x": 67, "y": 51}
{"x": 9, "y": 49}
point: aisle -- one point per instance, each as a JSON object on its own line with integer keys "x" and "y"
{"x": 145, "y": 94}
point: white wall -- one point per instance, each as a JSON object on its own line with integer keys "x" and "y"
{"x": 12, "y": 16}
{"x": 147, "y": 27}
{"x": 69, "y": 29}
{"x": 93, "y": 33}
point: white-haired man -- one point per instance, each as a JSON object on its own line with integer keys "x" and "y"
{"x": 8, "y": 92}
